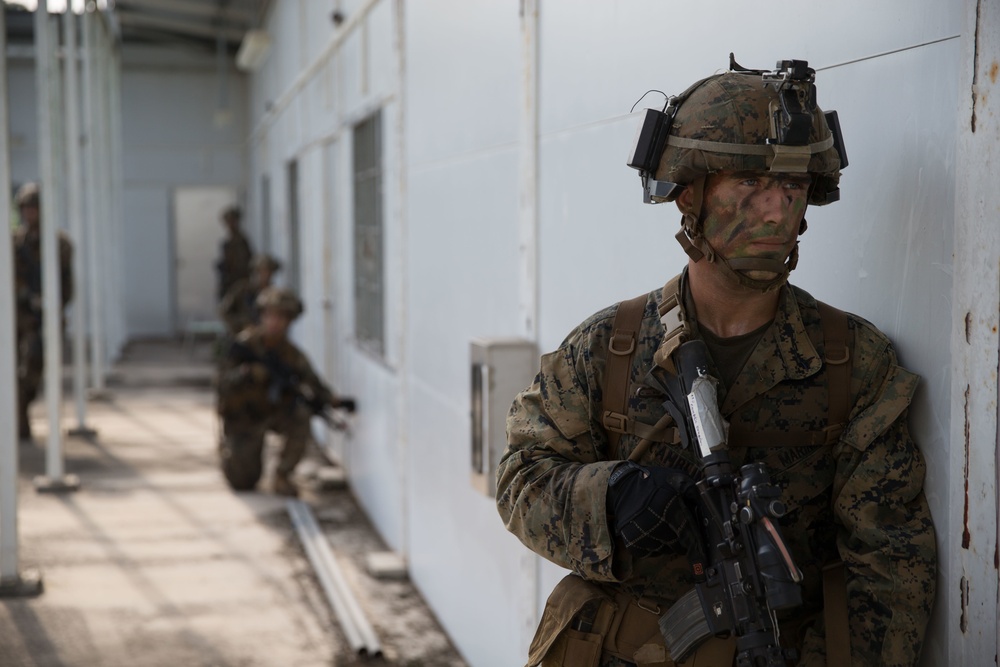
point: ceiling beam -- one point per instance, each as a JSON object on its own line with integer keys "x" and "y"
{"x": 129, "y": 18}
{"x": 243, "y": 16}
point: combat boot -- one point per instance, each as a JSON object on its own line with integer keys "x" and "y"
{"x": 283, "y": 486}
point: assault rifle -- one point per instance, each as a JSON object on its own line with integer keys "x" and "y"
{"x": 284, "y": 381}
{"x": 749, "y": 573}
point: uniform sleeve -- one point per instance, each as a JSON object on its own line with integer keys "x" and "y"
{"x": 552, "y": 480}
{"x": 320, "y": 390}
{"x": 887, "y": 538}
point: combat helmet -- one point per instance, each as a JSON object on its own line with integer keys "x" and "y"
{"x": 265, "y": 261}
{"x": 281, "y": 300}
{"x": 740, "y": 120}
{"x": 27, "y": 195}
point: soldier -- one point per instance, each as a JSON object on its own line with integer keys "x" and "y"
{"x": 239, "y": 307}
{"x": 28, "y": 290}
{"x": 234, "y": 252}
{"x": 593, "y": 478}
{"x": 267, "y": 384}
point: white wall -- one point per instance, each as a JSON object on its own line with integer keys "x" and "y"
{"x": 451, "y": 84}
{"x": 171, "y": 139}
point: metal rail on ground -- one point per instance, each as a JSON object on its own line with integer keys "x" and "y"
{"x": 358, "y": 630}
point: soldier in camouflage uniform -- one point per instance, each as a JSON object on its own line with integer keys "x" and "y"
{"x": 853, "y": 490}
{"x": 234, "y": 253}
{"x": 239, "y": 307}
{"x": 267, "y": 384}
{"x": 28, "y": 291}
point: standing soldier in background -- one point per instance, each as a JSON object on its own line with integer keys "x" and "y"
{"x": 28, "y": 296}
{"x": 234, "y": 253}
{"x": 239, "y": 306}
{"x": 595, "y": 478}
{"x": 267, "y": 384}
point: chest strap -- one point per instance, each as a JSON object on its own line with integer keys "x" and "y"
{"x": 618, "y": 371}
{"x": 617, "y": 375}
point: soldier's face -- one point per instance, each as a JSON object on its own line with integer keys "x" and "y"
{"x": 754, "y": 214}
{"x": 29, "y": 214}
{"x": 274, "y": 323}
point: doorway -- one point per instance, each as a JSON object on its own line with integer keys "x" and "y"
{"x": 198, "y": 232}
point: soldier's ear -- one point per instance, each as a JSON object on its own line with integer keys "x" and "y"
{"x": 685, "y": 201}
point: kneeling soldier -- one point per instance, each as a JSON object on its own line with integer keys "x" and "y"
{"x": 267, "y": 384}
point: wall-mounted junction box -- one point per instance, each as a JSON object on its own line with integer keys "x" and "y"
{"x": 500, "y": 368}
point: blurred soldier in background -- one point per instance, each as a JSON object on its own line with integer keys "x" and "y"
{"x": 239, "y": 306}
{"x": 267, "y": 384}
{"x": 28, "y": 297}
{"x": 234, "y": 253}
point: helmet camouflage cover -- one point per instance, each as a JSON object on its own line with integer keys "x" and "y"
{"x": 727, "y": 124}
{"x": 282, "y": 300}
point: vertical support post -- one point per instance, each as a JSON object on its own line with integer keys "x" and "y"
{"x": 49, "y": 211}
{"x": 93, "y": 120}
{"x": 74, "y": 179}
{"x": 528, "y": 251}
{"x": 12, "y": 581}
{"x": 971, "y": 597}
{"x": 117, "y": 189}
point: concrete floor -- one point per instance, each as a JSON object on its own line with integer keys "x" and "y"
{"x": 154, "y": 561}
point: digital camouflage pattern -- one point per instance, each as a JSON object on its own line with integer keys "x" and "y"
{"x": 860, "y": 498}
{"x": 28, "y": 297}
{"x": 248, "y": 408}
{"x": 732, "y": 108}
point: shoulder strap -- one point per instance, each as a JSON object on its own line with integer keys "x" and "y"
{"x": 838, "y": 360}
{"x": 836, "y": 335}
{"x": 624, "y": 332}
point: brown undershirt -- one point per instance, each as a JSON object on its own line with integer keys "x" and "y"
{"x": 731, "y": 354}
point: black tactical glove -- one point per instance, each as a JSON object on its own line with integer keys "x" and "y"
{"x": 656, "y": 511}
{"x": 344, "y": 403}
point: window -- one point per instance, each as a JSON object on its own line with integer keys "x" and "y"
{"x": 369, "y": 293}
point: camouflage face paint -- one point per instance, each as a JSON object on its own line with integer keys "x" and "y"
{"x": 754, "y": 214}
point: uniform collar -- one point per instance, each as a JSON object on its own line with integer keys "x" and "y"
{"x": 785, "y": 352}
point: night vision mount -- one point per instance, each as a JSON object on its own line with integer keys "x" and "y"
{"x": 791, "y": 122}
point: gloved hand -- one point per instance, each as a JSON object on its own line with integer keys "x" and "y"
{"x": 656, "y": 511}
{"x": 345, "y": 403}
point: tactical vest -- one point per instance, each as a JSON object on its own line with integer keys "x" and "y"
{"x": 837, "y": 345}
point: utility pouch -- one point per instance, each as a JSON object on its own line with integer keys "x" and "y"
{"x": 556, "y": 643}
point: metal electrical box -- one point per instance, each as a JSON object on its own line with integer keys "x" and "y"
{"x": 500, "y": 368}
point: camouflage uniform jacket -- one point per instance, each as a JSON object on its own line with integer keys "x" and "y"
{"x": 241, "y": 396}
{"x": 28, "y": 275}
{"x": 234, "y": 262}
{"x": 860, "y": 499}
{"x": 239, "y": 307}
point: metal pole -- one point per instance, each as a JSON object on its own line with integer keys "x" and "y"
{"x": 103, "y": 193}
{"x": 74, "y": 177}
{"x": 117, "y": 189}
{"x": 12, "y": 581}
{"x": 92, "y": 121}
{"x": 49, "y": 212}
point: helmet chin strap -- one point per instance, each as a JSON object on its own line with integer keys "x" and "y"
{"x": 698, "y": 248}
